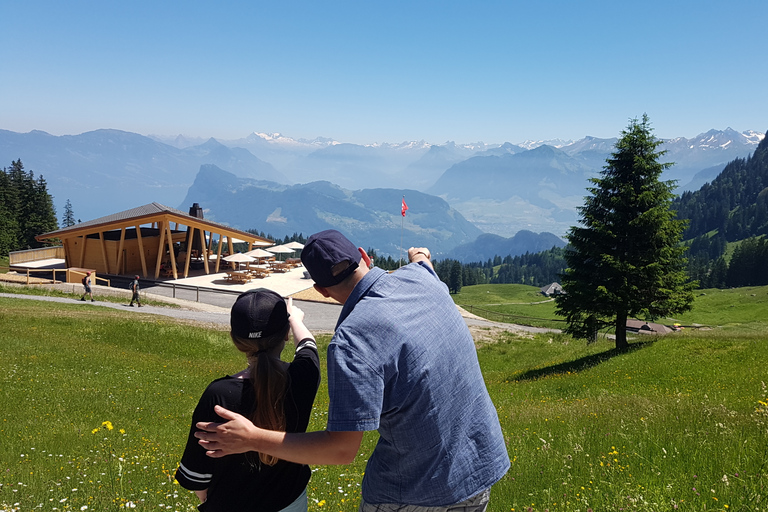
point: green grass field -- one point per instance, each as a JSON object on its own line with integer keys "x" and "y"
{"x": 741, "y": 309}
{"x": 511, "y": 303}
{"x": 96, "y": 408}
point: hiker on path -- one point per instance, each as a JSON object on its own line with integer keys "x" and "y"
{"x": 87, "y": 286}
{"x": 135, "y": 292}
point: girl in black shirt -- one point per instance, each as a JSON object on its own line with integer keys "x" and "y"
{"x": 274, "y": 394}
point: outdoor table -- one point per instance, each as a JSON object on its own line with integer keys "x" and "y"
{"x": 238, "y": 277}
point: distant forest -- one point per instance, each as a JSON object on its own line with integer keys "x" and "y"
{"x": 733, "y": 208}
{"x": 535, "y": 269}
{"x": 26, "y": 209}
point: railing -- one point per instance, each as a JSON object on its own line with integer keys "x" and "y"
{"x": 157, "y": 284}
{"x": 195, "y": 289}
{"x": 503, "y": 317}
{"x": 42, "y": 253}
{"x": 43, "y": 270}
{"x": 53, "y": 271}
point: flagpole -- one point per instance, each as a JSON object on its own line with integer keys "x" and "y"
{"x": 402, "y": 222}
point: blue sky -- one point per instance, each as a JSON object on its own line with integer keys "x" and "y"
{"x": 368, "y": 72}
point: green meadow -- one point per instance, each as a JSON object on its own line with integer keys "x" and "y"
{"x": 96, "y": 408}
{"x": 511, "y": 303}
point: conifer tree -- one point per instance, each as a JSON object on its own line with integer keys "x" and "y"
{"x": 68, "y": 218}
{"x": 625, "y": 259}
{"x": 455, "y": 277}
{"x": 9, "y": 226}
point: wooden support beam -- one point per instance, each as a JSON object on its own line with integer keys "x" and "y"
{"x": 160, "y": 253}
{"x": 82, "y": 252}
{"x": 141, "y": 252}
{"x": 231, "y": 248}
{"x": 189, "y": 253}
{"x": 104, "y": 252}
{"x": 170, "y": 250}
{"x": 120, "y": 248}
{"x": 218, "y": 252}
{"x": 203, "y": 250}
{"x": 67, "y": 247}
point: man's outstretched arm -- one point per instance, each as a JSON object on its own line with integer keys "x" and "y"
{"x": 239, "y": 435}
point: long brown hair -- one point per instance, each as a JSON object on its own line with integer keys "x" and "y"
{"x": 270, "y": 382}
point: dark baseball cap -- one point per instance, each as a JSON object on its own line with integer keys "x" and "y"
{"x": 323, "y": 254}
{"x": 258, "y": 313}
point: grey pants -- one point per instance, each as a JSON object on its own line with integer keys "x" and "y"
{"x": 477, "y": 503}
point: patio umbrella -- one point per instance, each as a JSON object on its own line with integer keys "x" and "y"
{"x": 258, "y": 253}
{"x": 239, "y": 258}
{"x": 294, "y": 245}
{"x": 280, "y": 249}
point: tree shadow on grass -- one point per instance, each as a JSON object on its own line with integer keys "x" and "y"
{"x": 579, "y": 365}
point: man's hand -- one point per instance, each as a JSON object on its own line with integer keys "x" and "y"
{"x": 416, "y": 254}
{"x": 237, "y": 435}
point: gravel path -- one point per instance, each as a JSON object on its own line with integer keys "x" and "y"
{"x": 319, "y": 317}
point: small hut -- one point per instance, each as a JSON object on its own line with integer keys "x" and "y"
{"x": 643, "y": 327}
{"x": 552, "y": 289}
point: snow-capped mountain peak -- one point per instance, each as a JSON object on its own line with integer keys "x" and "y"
{"x": 753, "y": 137}
{"x": 555, "y": 143}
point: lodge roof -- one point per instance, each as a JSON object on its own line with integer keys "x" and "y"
{"x": 146, "y": 211}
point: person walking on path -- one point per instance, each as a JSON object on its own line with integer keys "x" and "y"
{"x": 87, "y": 286}
{"x": 272, "y": 394}
{"x": 135, "y": 292}
{"x": 402, "y": 361}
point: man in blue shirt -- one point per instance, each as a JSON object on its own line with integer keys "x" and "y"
{"x": 402, "y": 362}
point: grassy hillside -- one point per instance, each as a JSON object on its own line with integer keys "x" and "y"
{"x": 511, "y": 303}
{"x": 677, "y": 423}
{"x": 96, "y": 408}
{"x": 731, "y": 309}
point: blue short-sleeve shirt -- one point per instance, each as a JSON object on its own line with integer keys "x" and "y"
{"x": 402, "y": 361}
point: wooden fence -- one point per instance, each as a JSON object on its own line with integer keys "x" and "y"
{"x": 43, "y": 253}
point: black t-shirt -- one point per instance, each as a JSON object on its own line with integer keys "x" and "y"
{"x": 241, "y": 482}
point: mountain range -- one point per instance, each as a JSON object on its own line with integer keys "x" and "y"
{"x": 498, "y": 188}
{"x": 369, "y": 217}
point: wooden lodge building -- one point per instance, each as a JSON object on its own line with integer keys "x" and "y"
{"x": 146, "y": 240}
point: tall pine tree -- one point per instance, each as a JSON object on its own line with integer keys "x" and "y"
{"x": 9, "y": 226}
{"x": 68, "y": 218}
{"x": 625, "y": 259}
